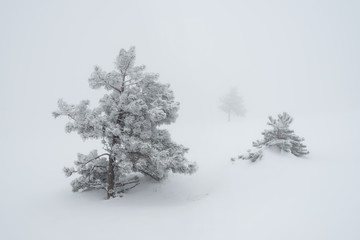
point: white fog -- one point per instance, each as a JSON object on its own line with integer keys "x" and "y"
{"x": 299, "y": 57}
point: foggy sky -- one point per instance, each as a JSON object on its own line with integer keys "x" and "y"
{"x": 295, "y": 56}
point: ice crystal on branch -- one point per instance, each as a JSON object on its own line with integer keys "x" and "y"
{"x": 280, "y": 137}
{"x": 126, "y": 122}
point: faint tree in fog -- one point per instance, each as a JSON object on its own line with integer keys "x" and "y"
{"x": 232, "y": 103}
{"x": 126, "y": 121}
{"x": 280, "y": 137}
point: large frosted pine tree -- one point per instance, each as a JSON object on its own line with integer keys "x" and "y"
{"x": 126, "y": 122}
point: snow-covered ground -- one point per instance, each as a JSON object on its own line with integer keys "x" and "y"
{"x": 279, "y": 197}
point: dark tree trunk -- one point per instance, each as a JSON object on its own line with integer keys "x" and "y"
{"x": 111, "y": 175}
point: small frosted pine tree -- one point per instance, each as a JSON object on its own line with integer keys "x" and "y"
{"x": 126, "y": 121}
{"x": 232, "y": 103}
{"x": 280, "y": 137}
